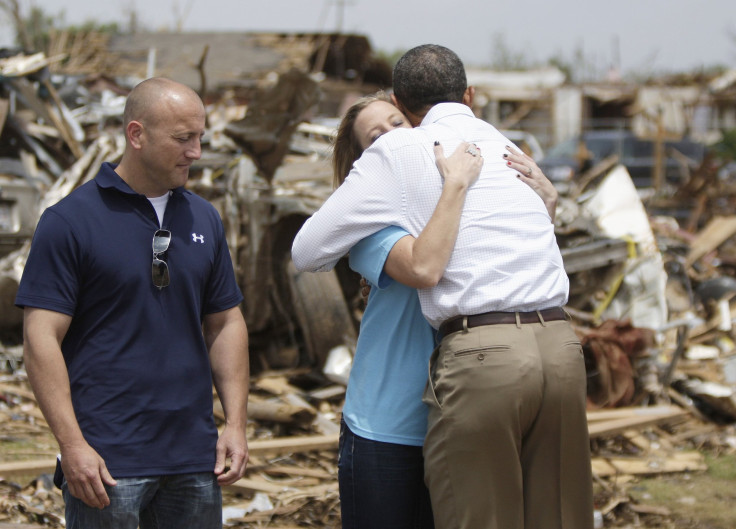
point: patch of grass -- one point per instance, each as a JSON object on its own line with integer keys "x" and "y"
{"x": 722, "y": 467}
{"x": 704, "y": 500}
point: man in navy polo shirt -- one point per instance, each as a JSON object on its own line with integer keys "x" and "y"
{"x": 131, "y": 311}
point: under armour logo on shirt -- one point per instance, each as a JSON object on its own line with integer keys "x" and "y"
{"x": 198, "y": 238}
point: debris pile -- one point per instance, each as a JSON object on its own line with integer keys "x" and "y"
{"x": 292, "y": 472}
{"x": 652, "y": 285}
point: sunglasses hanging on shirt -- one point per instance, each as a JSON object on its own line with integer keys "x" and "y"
{"x": 159, "y": 267}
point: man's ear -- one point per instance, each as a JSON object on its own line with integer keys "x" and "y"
{"x": 469, "y": 96}
{"x": 397, "y": 103}
{"x": 414, "y": 119}
{"x": 134, "y": 131}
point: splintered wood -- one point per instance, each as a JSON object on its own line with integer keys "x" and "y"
{"x": 291, "y": 480}
{"x": 649, "y": 456}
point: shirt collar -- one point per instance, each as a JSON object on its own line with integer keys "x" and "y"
{"x": 107, "y": 178}
{"x": 442, "y": 110}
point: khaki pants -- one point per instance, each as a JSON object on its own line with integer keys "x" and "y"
{"x": 507, "y": 445}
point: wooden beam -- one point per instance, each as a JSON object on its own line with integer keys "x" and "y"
{"x": 652, "y": 464}
{"x": 607, "y": 414}
{"x": 280, "y": 412}
{"x": 277, "y": 446}
{"x": 718, "y": 230}
{"x": 286, "y": 445}
{"x": 290, "y": 471}
{"x": 616, "y": 426}
{"x": 16, "y": 468}
{"x": 258, "y": 485}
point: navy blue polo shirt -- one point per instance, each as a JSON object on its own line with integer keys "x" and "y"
{"x": 138, "y": 366}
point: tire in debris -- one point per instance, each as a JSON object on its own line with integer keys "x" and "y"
{"x": 321, "y": 312}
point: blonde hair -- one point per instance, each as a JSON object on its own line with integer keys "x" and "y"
{"x": 346, "y": 148}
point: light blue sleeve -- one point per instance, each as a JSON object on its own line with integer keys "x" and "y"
{"x": 368, "y": 257}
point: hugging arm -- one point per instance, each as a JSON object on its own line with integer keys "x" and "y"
{"x": 369, "y": 200}
{"x": 421, "y": 262}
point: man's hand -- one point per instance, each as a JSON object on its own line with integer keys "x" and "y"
{"x": 231, "y": 445}
{"x": 86, "y": 474}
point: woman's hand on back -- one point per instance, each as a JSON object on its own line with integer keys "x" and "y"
{"x": 463, "y": 166}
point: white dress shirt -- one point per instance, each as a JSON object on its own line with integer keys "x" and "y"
{"x": 506, "y": 256}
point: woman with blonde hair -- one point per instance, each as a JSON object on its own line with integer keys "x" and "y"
{"x": 380, "y": 462}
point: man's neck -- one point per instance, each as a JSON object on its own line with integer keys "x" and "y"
{"x": 136, "y": 179}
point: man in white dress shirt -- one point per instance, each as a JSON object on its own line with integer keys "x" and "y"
{"x": 507, "y": 445}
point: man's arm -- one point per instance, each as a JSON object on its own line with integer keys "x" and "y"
{"x": 421, "y": 262}
{"x": 85, "y": 471}
{"x": 226, "y": 336}
{"x": 369, "y": 200}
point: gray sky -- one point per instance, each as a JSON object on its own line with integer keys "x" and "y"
{"x": 642, "y": 35}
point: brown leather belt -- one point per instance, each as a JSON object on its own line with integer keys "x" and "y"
{"x": 495, "y": 318}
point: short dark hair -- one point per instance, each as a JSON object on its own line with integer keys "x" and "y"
{"x": 427, "y": 75}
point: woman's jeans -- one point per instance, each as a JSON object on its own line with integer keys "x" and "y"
{"x": 156, "y": 502}
{"x": 381, "y": 484}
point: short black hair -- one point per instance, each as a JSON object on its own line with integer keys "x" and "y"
{"x": 427, "y": 75}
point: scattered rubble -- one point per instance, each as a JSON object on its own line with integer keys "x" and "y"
{"x": 651, "y": 291}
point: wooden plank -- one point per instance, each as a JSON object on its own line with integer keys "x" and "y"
{"x": 602, "y": 467}
{"x": 607, "y": 414}
{"x": 60, "y": 121}
{"x": 286, "y": 445}
{"x": 276, "y": 385}
{"x": 272, "y": 411}
{"x": 261, "y": 485}
{"x": 649, "y": 509}
{"x": 677, "y": 462}
{"x": 718, "y": 230}
{"x": 39, "y": 466}
{"x": 616, "y": 426}
{"x": 258, "y": 485}
{"x": 291, "y": 471}
{"x": 282, "y": 445}
{"x": 318, "y": 491}
{"x": 328, "y": 393}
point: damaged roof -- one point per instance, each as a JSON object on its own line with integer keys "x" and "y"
{"x": 236, "y": 58}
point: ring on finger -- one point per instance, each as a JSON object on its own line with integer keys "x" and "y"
{"x": 472, "y": 150}
{"x": 528, "y": 171}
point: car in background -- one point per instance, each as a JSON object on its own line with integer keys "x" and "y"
{"x": 566, "y": 161}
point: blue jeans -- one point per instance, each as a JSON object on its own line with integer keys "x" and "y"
{"x": 154, "y": 502}
{"x": 381, "y": 484}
